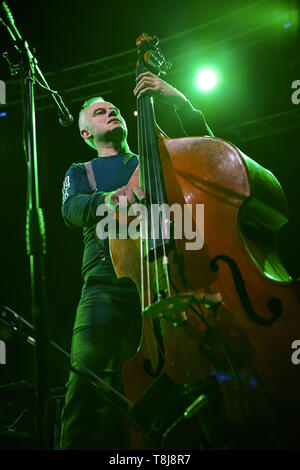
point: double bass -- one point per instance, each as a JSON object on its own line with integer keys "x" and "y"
{"x": 213, "y": 368}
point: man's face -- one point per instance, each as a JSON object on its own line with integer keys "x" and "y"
{"x": 104, "y": 122}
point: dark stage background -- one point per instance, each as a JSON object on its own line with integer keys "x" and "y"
{"x": 254, "y": 45}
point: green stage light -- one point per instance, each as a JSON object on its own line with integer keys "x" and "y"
{"x": 206, "y": 79}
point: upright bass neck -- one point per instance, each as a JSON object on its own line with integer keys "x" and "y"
{"x": 150, "y": 170}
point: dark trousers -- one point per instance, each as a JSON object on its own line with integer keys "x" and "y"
{"x": 106, "y": 333}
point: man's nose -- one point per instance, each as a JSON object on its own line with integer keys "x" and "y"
{"x": 112, "y": 112}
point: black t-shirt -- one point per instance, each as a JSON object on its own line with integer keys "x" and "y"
{"x": 80, "y": 203}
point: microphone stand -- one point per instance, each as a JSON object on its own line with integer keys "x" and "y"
{"x": 35, "y": 227}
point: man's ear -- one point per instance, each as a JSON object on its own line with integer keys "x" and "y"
{"x": 85, "y": 133}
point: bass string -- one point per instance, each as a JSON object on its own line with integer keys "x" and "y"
{"x": 156, "y": 171}
{"x": 142, "y": 142}
{"x": 142, "y": 179}
{"x": 147, "y": 150}
{"x": 143, "y": 154}
{"x": 150, "y": 155}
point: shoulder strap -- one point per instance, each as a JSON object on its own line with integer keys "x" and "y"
{"x": 91, "y": 176}
{"x": 93, "y": 186}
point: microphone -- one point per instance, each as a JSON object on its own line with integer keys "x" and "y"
{"x": 65, "y": 118}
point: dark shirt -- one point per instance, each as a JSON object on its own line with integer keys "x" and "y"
{"x": 80, "y": 203}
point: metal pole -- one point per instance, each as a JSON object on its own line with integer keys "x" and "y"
{"x": 36, "y": 250}
{"x": 35, "y": 231}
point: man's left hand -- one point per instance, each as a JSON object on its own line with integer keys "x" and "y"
{"x": 150, "y": 84}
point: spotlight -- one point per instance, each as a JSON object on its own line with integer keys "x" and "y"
{"x": 206, "y": 79}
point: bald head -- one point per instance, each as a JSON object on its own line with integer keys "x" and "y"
{"x": 102, "y": 126}
{"x": 82, "y": 118}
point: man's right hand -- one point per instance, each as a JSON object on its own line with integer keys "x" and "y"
{"x": 131, "y": 196}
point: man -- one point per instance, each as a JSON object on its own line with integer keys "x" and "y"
{"x": 107, "y": 326}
